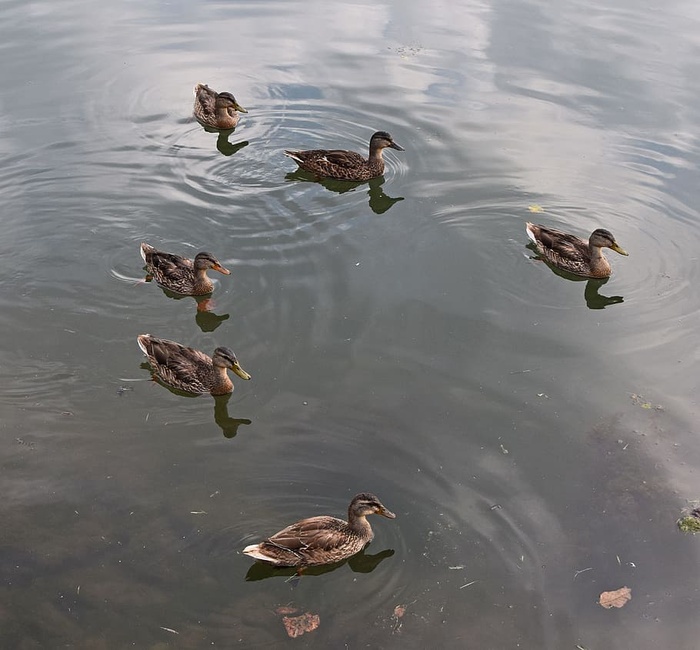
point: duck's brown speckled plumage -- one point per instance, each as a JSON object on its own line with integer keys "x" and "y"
{"x": 180, "y": 274}
{"x": 321, "y": 540}
{"x": 190, "y": 370}
{"x": 346, "y": 165}
{"x": 216, "y": 110}
{"x": 573, "y": 254}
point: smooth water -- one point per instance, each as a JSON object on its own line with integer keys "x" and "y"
{"x": 535, "y": 435}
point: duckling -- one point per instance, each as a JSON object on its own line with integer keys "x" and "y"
{"x": 179, "y": 274}
{"x": 216, "y": 110}
{"x": 573, "y": 254}
{"x": 190, "y": 370}
{"x": 321, "y": 540}
{"x": 346, "y": 165}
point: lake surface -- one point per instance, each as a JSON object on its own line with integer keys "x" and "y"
{"x": 536, "y": 436}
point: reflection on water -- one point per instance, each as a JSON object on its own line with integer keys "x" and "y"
{"x": 227, "y": 424}
{"x": 229, "y": 148}
{"x": 361, "y": 562}
{"x": 205, "y": 318}
{"x": 208, "y": 321}
{"x": 594, "y": 299}
{"x": 591, "y": 293}
{"x": 378, "y": 201}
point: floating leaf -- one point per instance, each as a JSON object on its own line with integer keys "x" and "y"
{"x": 399, "y": 611}
{"x": 286, "y": 609}
{"x": 298, "y": 625}
{"x": 535, "y": 208}
{"x": 617, "y": 598}
{"x": 690, "y": 523}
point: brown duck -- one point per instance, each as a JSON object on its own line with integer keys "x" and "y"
{"x": 190, "y": 370}
{"x": 346, "y": 165}
{"x": 180, "y": 274}
{"x": 321, "y": 540}
{"x": 573, "y": 254}
{"x": 217, "y": 110}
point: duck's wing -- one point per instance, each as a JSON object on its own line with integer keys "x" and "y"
{"x": 557, "y": 245}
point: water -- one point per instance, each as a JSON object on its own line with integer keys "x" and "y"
{"x": 535, "y": 435}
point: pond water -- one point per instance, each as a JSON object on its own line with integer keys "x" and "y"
{"x": 535, "y": 435}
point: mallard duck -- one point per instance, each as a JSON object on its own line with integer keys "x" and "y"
{"x": 346, "y": 165}
{"x": 322, "y": 540}
{"x": 573, "y": 254}
{"x": 190, "y": 370}
{"x": 180, "y": 274}
{"x": 217, "y": 110}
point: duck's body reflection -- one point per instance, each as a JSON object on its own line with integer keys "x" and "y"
{"x": 361, "y": 562}
{"x": 227, "y": 424}
{"x": 379, "y": 202}
{"x": 594, "y": 299}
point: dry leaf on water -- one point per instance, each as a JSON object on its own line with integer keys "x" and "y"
{"x": 616, "y": 598}
{"x": 286, "y": 609}
{"x": 297, "y": 625}
{"x": 399, "y": 611}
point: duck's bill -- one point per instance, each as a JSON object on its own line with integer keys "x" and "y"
{"x": 240, "y": 372}
{"x": 398, "y": 147}
{"x": 221, "y": 269}
{"x": 387, "y": 513}
{"x": 617, "y": 249}
{"x": 240, "y": 108}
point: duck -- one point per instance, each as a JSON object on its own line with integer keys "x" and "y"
{"x": 346, "y": 165}
{"x": 322, "y": 540}
{"x": 180, "y": 274}
{"x": 216, "y": 110}
{"x": 573, "y": 254}
{"x": 190, "y": 370}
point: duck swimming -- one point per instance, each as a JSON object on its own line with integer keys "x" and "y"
{"x": 346, "y": 165}
{"x": 217, "y": 110}
{"x": 321, "y": 540}
{"x": 180, "y": 274}
{"x": 190, "y": 370}
{"x": 573, "y": 254}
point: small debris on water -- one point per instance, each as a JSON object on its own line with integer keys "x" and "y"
{"x": 298, "y": 625}
{"x": 639, "y": 400}
{"x": 690, "y": 523}
{"x": 617, "y": 598}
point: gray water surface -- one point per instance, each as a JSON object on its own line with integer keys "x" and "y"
{"x": 535, "y": 435}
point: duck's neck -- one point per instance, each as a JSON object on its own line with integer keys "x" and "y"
{"x": 360, "y": 526}
{"x": 600, "y": 267}
{"x": 202, "y": 283}
{"x": 376, "y": 157}
{"x": 221, "y": 384}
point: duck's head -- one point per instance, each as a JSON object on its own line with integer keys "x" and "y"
{"x": 225, "y": 358}
{"x": 367, "y": 503}
{"x": 382, "y": 140}
{"x": 602, "y": 238}
{"x": 204, "y": 261}
{"x": 227, "y": 100}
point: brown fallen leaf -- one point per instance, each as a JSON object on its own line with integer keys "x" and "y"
{"x": 617, "y": 598}
{"x": 399, "y": 611}
{"x": 286, "y": 609}
{"x": 298, "y": 625}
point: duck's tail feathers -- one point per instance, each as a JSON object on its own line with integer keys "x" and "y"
{"x": 146, "y": 250}
{"x": 142, "y": 340}
{"x": 529, "y": 229}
